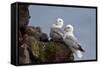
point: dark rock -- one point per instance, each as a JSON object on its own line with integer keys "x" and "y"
{"x": 33, "y": 32}
{"x": 20, "y": 39}
{"x": 28, "y": 40}
{"x": 38, "y": 29}
{"x": 44, "y": 37}
{"x": 23, "y": 16}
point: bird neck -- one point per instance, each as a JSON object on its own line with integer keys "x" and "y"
{"x": 56, "y": 26}
{"x": 69, "y": 33}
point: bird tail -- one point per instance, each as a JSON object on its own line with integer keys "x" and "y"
{"x": 78, "y": 54}
{"x": 81, "y": 49}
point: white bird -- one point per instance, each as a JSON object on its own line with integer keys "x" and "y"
{"x": 56, "y": 33}
{"x": 70, "y": 40}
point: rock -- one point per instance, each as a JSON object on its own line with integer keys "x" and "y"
{"x": 38, "y": 29}
{"x": 23, "y": 15}
{"x": 44, "y": 37}
{"x": 20, "y": 39}
{"x": 55, "y": 52}
{"x": 49, "y": 51}
{"x": 33, "y": 32}
{"x": 24, "y": 57}
{"x": 32, "y": 47}
{"x": 29, "y": 40}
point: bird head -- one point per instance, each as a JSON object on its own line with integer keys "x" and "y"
{"x": 59, "y": 23}
{"x": 69, "y": 28}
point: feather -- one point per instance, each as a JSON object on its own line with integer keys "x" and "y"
{"x": 78, "y": 54}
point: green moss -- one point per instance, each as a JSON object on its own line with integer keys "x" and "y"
{"x": 51, "y": 52}
{"x": 35, "y": 49}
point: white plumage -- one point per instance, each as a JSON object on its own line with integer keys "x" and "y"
{"x": 72, "y": 41}
{"x": 56, "y": 33}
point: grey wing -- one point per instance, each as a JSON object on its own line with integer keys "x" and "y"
{"x": 55, "y": 33}
{"x": 60, "y": 32}
{"x": 73, "y": 43}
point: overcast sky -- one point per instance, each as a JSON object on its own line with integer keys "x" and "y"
{"x": 83, "y": 20}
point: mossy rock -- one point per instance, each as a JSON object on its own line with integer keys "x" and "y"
{"x": 35, "y": 49}
{"x": 51, "y": 52}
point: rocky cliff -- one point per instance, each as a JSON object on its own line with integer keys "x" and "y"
{"x": 34, "y": 46}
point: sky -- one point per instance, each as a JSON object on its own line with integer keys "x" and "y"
{"x": 83, "y": 20}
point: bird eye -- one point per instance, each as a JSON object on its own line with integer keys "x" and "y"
{"x": 68, "y": 27}
{"x": 59, "y": 20}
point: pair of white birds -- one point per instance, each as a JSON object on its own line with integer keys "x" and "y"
{"x": 67, "y": 36}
